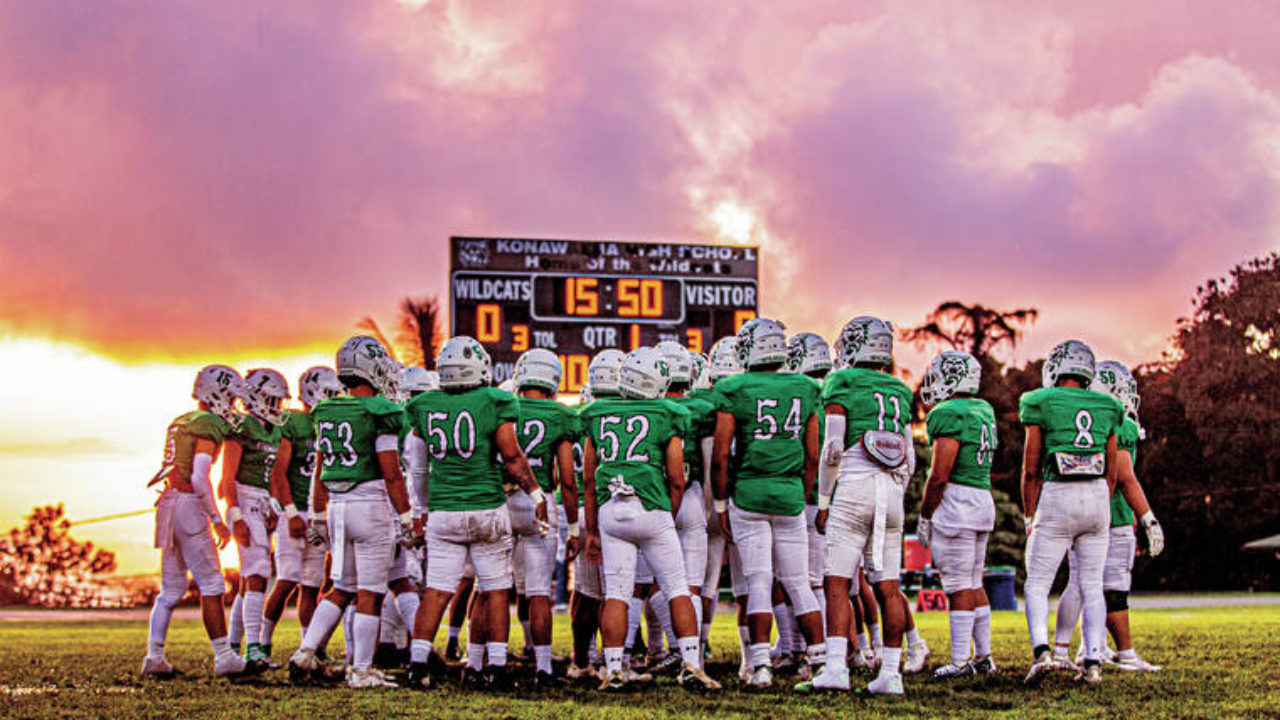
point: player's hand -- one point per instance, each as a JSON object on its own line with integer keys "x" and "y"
{"x": 318, "y": 532}
{"x": 272, "y": 520}
{"x": 540, "y": 511}
{"x": 224, "y": 534}
{"x": 419, "y": 530}
{"x": 1155, "y": 534}
{"x": 241, "y": 530}
{"x": 592, "y": 552}
{"x": 571, "y": 548}
{"x": 924, "y": 532}
{"x": 297, "y": 527}
{"x": 820, "y": 521}
{"x": 724, "y": 526}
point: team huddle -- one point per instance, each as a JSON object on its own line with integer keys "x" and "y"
{"x": 434, "y": 494}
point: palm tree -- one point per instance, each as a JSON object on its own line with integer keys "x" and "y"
{"x": 976, "y": 328}
{"x": 418, "y": 338}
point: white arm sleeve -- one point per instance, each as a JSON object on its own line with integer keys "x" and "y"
{"x": 708, "y": 446}
{"x": 832, "y": 451}
{"x": 415, "y": 456}
{"x": 200, "y": 483}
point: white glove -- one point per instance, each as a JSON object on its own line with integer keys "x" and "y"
{"x": 318, "y": 532}
{"x": 405, "y": 528}
{"x": 924, "y": 531}
{"x": 1155, "y": 534}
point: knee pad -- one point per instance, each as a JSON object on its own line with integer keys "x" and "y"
{"x": 798, "y": 591}
{"x": 759, "y": 593}
{"x": 170, "y": 597}
{"x": 1117, "y": 600}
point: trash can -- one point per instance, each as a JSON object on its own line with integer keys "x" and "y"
{"x": 999, "y": 581}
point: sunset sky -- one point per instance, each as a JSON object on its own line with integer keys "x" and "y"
{"x": 185, "y": 182}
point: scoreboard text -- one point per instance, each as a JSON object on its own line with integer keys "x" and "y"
{"x": 577, "y": 297}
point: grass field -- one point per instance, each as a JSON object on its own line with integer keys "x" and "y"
{"x": 1219, "y": 662}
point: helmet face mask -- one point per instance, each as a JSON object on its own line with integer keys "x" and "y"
{"x": 602, "y": 373}
{"x": 951, "y": 372}
{"x": 318, "y": 383}
{"x": 644, "y": 374}
{"x": 218, "y": 387}
{"x": 1114, "y": 379}
{"x": 760, "y": 342}
{"x": 538, "y": 368}
{"x": 865, "y": 340}
{"x": 679, "y": 361}
{"x": 265, "y": 391}
{"x": 1073, "y": 359}
{"x": 362, "y": 358}
{"x": 808, "y": 354}
{"x": 463, "y": 364}
{"x": 724, "y": 359}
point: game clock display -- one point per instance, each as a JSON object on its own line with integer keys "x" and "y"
{"x": 577, "y": 297}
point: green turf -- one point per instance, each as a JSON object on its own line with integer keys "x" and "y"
{"x": 1219, "y": 662}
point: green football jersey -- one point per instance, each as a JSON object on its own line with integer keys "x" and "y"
{"x": 259, "y": 442}
{"x": 459, "y": 429}
{"x": 702, "y": 424}
{"x": 1075, "y": 424}
{"x": 1126, "y": 439}
{"x": 770, "y": 411}
{"x": 972, "y": 423}
{"x": 301, "y": 434}
{"x": 706, "y": 395}
{"x": 180, "y": 443}
{"x": 630, "y": 438}
{"x": 347, "y": 430}
{"x": 872, "y": 400}
{"x": 544, "y": 425}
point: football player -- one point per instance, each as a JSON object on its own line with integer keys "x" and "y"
{"x": 630, "y": 506}
{"x": 298, "y": 563}
{"x": 1128, "y": 498}
{"x": 360, "y": 506}
{"x": 184, "y": 513}
{"x": 466, "y": 426}
{"x": 868, "y": 449}
{"x": 1068, "y": 472}
{"x": 771, "y": 420}
{"x": 248, "y": 457}
{"x": 958, "y": 513}
{"x": 546, "y": 432}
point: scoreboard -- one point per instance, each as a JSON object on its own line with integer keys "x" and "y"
{"x": 577, "y": 297}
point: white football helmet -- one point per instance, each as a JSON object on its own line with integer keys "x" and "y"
{"x": 538, "y": 368}
{"x": 602, "y": 373}
{"x": 761, "y": 341}
{"x": 584, "y": 395}
{"x": 644, "y": 374}
{"x": 318, "y": 383}
{"x": 265, "y": 391}
{"x": 218, "y": 387}
{"x": 364, "y": 358}
{"x": 679, "y": 361}
{"x": 1114, "y": 379}
{"x": 808, "y": 353}
{"x": 463, "y": 363}
{"x": 1071, "y": 358}
{"x": 724, "y": 359}
{"x": 701, "y": 380}
{"x": 865, "y": 340}
{"x": 415, "y": 380}
{"x": 950, "y": 372}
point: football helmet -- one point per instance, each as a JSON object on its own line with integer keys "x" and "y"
{"x": 538, "y": 368}
{"x": 218, "y": 387}
{"x": 1071, "y": 358}
{"x": 700, "y": 379}
{"x": 644, "y": 374}
{"x": 865, "y": 340}
{"x": 808, "y": 353}
{"x": 318, "y": 383}
{"x": 761, "y": 341}
{"x": 508, "y": 386}
{"x": 724, "y": 359}
{"x": 950, "y": 372}
{"x": 415, "y": 380}
{"x": 602, "y": 373}
{"x": 364, "y": 358}
{"x": 679, "y": 361}
{"x": 463, "y": 363}
{"x": 265, "y": 391}
{"x": 1114, "y": 379}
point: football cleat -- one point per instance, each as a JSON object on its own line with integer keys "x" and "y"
{"x": 305, "y": 667}
{"x": 637, "y": 675}
{"x": 500, "y": 679}
{"x": 578, "y": 674}
{"x": 1045, "y": 663}
{"x": 863, "y": 659}
{"x": 668, "y": 664}
{"x": 368, "y": 678}
{"x": 1136, "y": 664}
{"x": 696, "y": 679}
{"x": 1108, "y": 656}
{"x": 828, "y": 678}
{"x": 229, "y": 666}
{"x": 613, "y": 682}
{"x": 546, "y": 681}
{"x": 804, "y": 672}
{"x": 951, "y": 670}
{"x": 744, "y": 670}
{"x": 418, "y": 677}
{"x": 761, "y": 678}
{"x": 1091, "y": 674}
{"x": 158, "y": 668}
{"x": 787, "y": 664}
{"x": 472, "y": 679}
{"x": 886, "y": 685}
{"x": 985, "y": 666}
{"x": 916, "y": 657}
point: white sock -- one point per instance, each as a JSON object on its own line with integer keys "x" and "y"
{"x": 528, "y": 634}
{"x": 864, "y": 642}
{"x": 542, "y": 657}
{"x": 890, "y": 661}
{"x": 161, "y": 613}
{"x": 475, "y": 656}
{"x": 497, "y": 652}
{"x": 323, "y": 622}
{"x": 982, "y": 631}
{"x": 365, "y": 629}
{"x": 613, "y": 659}
{"x": 913, "y": 638}
{"x": 961, "y": 622}
{"x": 662, "y": 608}
{"x": 389, "y": 624}
{"x": 453, "y": 633}
{"x": 759, "y": 654}
{"x": 303, "y": 633}
{"x": 816, "y": 654}
{"x": 635, "y": 608}
{"x": 1068, "y": 616}
{"x": 419, "y": 650}
{"x": 877, "y": 640}
{"x": 838, "y": 652}
{"x": 706, "y": 633}
{"x": 782, "y": 616}
{"x": 689, "y": 651}
{"x": 221, "y": 648}
{"x": 744, "y": 643}
{"x": 407, "y": 603}
{"x": 267, "y": 632}
{"x": 253, "y": 616}
{"x": 236, "y": 636}
{"x": 349, "y": 633}
{"x": 798, "y": 643}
